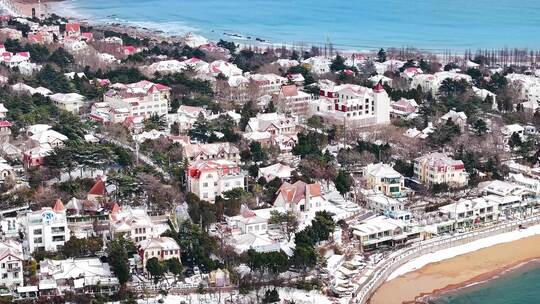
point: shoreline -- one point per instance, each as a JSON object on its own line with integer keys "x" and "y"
{"x": 478, "y": 281}
{"x": 462, "y": 271}
{"x": 245, "y": 41}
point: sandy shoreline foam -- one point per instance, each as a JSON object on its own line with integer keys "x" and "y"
{"x": 460, "y": 271}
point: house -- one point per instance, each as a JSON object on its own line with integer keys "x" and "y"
{"x": 432, "y": 82}
{"x": 384, "y": 178}
{"x": 438, "y": 168}
{"x": 3, "y": 111}
{"x": 73, "y": 30}
{"x": 383, "y": 231}
{"x": 200, "y": 152}
{"x": 286, "y": 63}
{"x": 223, "y": 67}
{"x": 248, "y": 222}
{"x": 98, "y": 192}
{"x": 355, "y": 105}
{"x": 46, "y": 137}
{"x": 471, "y": 212}
{"x": 484, "y": 94}
{"x": 268, "y": 84}
{"x": 529, "y": 183}
{"x": 163, "y": 248}
{"x": 77, "y": 275}
{"x": 165, "y": 67}
{"x": 5, "y": 129}
{"x": 529, "y": 86}
{"x": 283, "y": 172}
{"x": 6, "y": 171}
{"x": 209, "y": 179}
{"x": 388, "y": 206}
{"x": 143, "y": 98}
{"x": 13, "y": 60}
{"x": 293, "y": 101}
{"x": 186, "y": 116}
{"x": 41, "y": 37}
{"x": 410, "y": 72}
{"x": 404, "y": 108}
{"x": 296, "y": 79}
{"x": 219, "y": 278}
{"x": 35, "y": 157}
{"x": 11, "y": 261}
{"x": 508, "y": 130}
{"x": 299, "y": 197}
{"x": 71, "y": 102}
{"x": 318, "y": 64}
{"x": 132, "y": 223}
{"x": 380, "y": 79}
{"x": 458, "y": 118}
{"x": 273, "y": 123}
{"x": 47, "y": 229}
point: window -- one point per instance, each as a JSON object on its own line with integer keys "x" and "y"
{"x": 205, "y": 185}
{"x": 205, "y": 195}
{"x": 38, "y": 240}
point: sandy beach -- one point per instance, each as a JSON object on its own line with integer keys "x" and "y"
{"x": 459, "y": 271}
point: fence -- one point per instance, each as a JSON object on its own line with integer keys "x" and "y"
{"x": 400, "y": 257}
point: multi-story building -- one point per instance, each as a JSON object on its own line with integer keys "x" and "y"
{"x": 384, "y": 178}
{"x": 458, "y": 118}
{"x": 438, "y": 168}
{"x": 163, "y": 248}
{"x": 268, "y": 84}
{"x": 355, "y": 105}
{"x": 201, "y": 152}
{"x": 132, "y": 223}
{"x": 143, "y": 98}
{"x": 299, "y": 197}
{"x": 186, "y": 116}
{"x": 467, "y": 213}
{"x": 11, "y": 263}
{"x": 274, "y": 123}
{"x": 209, "y": 179}
{"x": 383, "y": 231}
{"x": 71, "y": 102}
{"x": 47, "y": 229}
{"x": 293, "y": 101}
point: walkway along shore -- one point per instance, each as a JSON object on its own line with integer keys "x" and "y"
{"x": 395, "y": 260}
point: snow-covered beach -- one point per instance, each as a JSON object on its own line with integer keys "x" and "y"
{"x": 460, "y": 266}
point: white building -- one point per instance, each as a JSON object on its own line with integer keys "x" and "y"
{"x": 299, "y": 197}
{"x": 438, "y": 168}
{"x": 71, "y": 102}
{"x": 47, "y": 229}
{"x": 355, "y": 105}
{"x": 432, "y": 82}
{"x": 458, "y": 118}
{"x": 383, "y": 231}
{"x": 384, "y": 178}
{"x": 132, "y": 223}
{"x": 318, "y": 64}
{"x": 467, "y": 213}
{"x": 209, "y": 179}
{"x": 293, "y": 101}
{"x": 278, "y": 170}
{"x": 163, "y": 248}
{"x": 11, "y": 263}
{"x": 268, "y": 83}
{"x": 79, "y": 275}
{"x": 529, "y": 86}
{"x": 143, "y": 98}
{"x": 213, "y": 151}
{"x": 186, "y": 116}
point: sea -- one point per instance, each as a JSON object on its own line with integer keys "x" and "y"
{"x": 519, "y": 286}
{"x": 437, "y": 25}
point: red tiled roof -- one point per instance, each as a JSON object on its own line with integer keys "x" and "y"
{"x": 294, "y": 193}
{"x": 289, "y": 90}
{"x": 58, "y": 206}
{"x": 378, "y": 88}
{"x": 98, "y": 188}
{"x": 5, "y": 123}
{"x": 73, "y": 27}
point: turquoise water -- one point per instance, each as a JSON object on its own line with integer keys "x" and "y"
{"x": 353, "y": 24}
{"x": 521, "y": 286}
